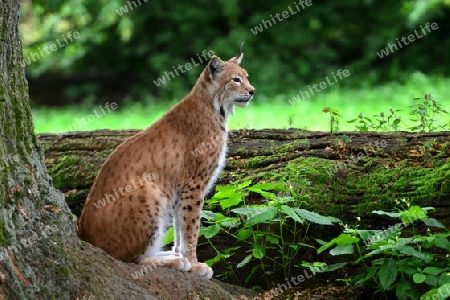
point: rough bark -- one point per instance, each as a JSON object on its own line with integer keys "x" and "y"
{"x": 41, "y": 256}
{"x": 356, "y": 172}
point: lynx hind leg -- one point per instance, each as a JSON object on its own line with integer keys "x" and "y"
{"x": 168, "y": 259}
{"x": 153, "y": 256}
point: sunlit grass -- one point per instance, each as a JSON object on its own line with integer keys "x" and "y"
{"x": 263, "y": 112}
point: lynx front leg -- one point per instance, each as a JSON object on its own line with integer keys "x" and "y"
{"x": 189, "y": 226}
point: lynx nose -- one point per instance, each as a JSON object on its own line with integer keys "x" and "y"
{"x": 251, "y": 92}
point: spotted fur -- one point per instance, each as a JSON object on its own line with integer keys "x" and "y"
{"x": 130, "y": 226}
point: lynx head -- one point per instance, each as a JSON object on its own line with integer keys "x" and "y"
{"x": 227, "y": 84}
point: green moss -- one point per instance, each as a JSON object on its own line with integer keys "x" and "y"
{"x": 256, "y": 161}
{"x": 241, "y": 152}
{"x": 362, "y": 187}
{"x": 63, "y": 271}
{"x": 445, "y": 149}
{"x": 71, "y": 172}
{"x": 2, "y": 236}
{"x": 233, "y": 163}
{"x": 288, "y": 147}
{"x": 384, "y": 185}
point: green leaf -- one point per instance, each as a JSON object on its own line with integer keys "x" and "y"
{"x": 414, "y": 213}
{"x": 434, "y": 270}
{"x": 380, "y": 212}
{"x": 208, "y": 215}
{"x": 402, "y": 289}
{"x": 229, "y": 222}
{"x": 441, "y": 293}
{"x": 284, "y": 199}
{"x": 245, "y": 261}
{"x": 226, "y": 195}
{"x": 432, "y": 222}
{"x": 444, "y": 278}
{"x": 444, "y": 290}
{"x": 369, "y": 275}
{"x": 293, "y": 246}
{"x": 429, "y": 295}
{"x": 244, "y": 184}
{"x": 341, "y": 240}
{"x": 168, "y": 236}
{"x": 245, "y": 210}
{"x": 277, "y": 186}
{"x": 306, "y": 245}
{"x": 431, "y": 280}
{"x": 367, "y": 234}
{"x": 261, "y": 215}
{"x": 346, "y": 239}
{"x": 291, "y": 213}
{"x": 211, "y": 231}
{"x": 340, "y": 250}
{"x": 261, "y": 187}
{"x": 258, "y": 251}
{"x": 333, "y": 267}
{"x": 244, "y": 234}
{"x": 320, "y": 242}
{"x": 312, "y": 216}
{"x": 419, "y": 278}
{"x": 442, "y": 234}
{"x": 225, "y": 191}
{"x": 266, "y": 195}
{"x": 220, "y": 256}
{"x": 333, "y": 219}
{"x": 408, "y": 250}
{"x": 272, "y": 239}
{"x": 227, "y": 203}
{"x": 388, "y": 273}
{"x": 315, "y": 267}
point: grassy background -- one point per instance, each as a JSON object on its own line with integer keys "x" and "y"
{"x": 265, "y": 111}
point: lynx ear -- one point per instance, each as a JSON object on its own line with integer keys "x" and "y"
{"x": 216, "y": 67}
{"x": 237, "y": 59}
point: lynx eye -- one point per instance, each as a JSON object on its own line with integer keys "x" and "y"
{"x": 237, "y": 79}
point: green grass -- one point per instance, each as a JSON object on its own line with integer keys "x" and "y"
{"x": 264, "y": 111}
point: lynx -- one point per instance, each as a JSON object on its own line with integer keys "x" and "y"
{"x": 137, "y": 208}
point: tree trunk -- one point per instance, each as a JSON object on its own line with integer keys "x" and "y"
{"x": 41, "y": 256}
{"x": 356, "y": 172}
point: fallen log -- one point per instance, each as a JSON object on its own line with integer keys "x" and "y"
{"x": 356, "y": 172}
{"x": 350, "y": 174}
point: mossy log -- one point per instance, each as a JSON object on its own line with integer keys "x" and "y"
{"x": 348, "y": 174}
{"x": 355, "y": 173}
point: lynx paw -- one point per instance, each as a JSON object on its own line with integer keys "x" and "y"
{"x": 179, "y": 263}
{"x": 170, "y": 261}
{"x": 202, "y": 270}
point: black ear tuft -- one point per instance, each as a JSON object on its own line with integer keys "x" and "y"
{"x": 216, "y": 67}
{"x": 237, "y": 59}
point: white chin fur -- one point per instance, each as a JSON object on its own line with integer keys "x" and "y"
{"x": 242, "y": 104}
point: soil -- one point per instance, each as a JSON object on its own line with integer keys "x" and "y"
{"x": 325, "y": 292}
